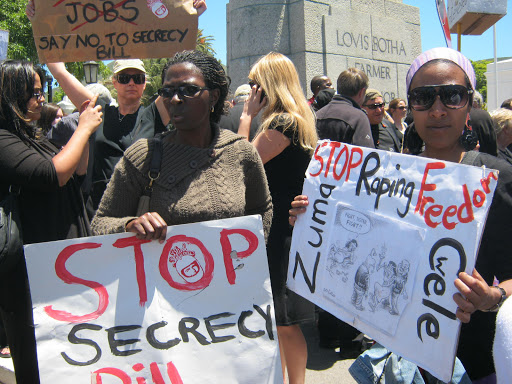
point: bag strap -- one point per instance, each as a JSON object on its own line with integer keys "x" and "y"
{"x": 156, "y": 162}
{"x": 470, "y": 157}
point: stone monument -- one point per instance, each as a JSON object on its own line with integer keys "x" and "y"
{"x": 380, "y": 37}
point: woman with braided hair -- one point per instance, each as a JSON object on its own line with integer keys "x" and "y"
{"x": 206, "y": 173}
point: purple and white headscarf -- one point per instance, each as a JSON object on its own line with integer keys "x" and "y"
{"x": 442, "y": 53}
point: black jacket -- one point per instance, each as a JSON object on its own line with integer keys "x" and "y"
{"x": 343, "y": 120}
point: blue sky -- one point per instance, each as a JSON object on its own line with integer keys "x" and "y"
{"x": 474, "y": 47}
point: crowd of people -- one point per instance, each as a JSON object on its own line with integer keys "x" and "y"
{"x": 85, "y": 173}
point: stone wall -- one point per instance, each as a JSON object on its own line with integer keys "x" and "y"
{"x": 381, "y": 37}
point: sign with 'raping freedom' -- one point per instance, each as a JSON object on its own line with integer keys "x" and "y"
{"x": 197, "y": 308}
{"x": 382, "y": 240}
{"x": 69, "y": 30}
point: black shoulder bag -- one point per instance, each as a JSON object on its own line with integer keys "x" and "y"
{"x": 11, "y": 243}
{"x": 154, "y": 173}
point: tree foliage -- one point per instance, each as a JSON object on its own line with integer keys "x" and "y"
{"x": 21, "y": 41}
{"x": 481, "y": 81}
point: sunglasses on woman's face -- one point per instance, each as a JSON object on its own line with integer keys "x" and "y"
{"x": 402, "y": 107}
{"x": 451, "y": 95}
{"x": 124, "y": 78}
{"x": 188, "y": 91}
{"x": 374, "y": 106}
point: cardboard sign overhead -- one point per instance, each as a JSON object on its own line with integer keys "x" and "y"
{"x": 69, "y": 30}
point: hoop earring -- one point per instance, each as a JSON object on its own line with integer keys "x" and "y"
{"x": 212, "y": 109}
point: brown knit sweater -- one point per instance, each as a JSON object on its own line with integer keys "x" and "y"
{"x": 224, "y": 180}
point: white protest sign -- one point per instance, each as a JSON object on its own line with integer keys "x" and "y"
{"x": 196, "y": 309}
{"x": 383, "y": 239}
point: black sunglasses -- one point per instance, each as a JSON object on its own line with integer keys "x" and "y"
{"x": 38, "y": 94}
{"x": 374, "y": 106}
{"x": 401, "y": 107}
{"x": 189, "y": 91}
{"x": 124, "y": 78}
{"x": 452, "y": 96}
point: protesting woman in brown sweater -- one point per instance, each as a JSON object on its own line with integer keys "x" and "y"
{"x": 207, "y": 173}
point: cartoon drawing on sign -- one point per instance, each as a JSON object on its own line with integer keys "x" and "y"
{"x": 341, "y": 258}
{"x": 382, "y": 291}
{"x": 368, "y": 269}
{"x": 186, "y": 263}
{"x": 158, "y": 8}
{"x": 399, "y": 286}
{"x": 362, "y": 280}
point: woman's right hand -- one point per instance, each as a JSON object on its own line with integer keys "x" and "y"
{"x": 149, "y": 226}
{"x": 299, "y": 205}
{"x": 254, "y": 104}
{"x": 90, "y": 116}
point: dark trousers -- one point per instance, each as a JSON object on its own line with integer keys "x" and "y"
{"x": 334, "y": 331}
{"x": 16, "y": 312}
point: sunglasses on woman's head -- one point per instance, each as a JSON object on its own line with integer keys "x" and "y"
{"x": 124, "y": 78}
{"x": 452, "y": 96}
{"x": 189, "y": 91}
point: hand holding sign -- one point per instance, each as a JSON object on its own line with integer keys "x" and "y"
{"x": 149, "y": 226}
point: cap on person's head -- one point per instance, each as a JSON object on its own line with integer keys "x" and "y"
{"x": 120, "y": 65}
{"x": 371, "y": 94}
{"x": 104, "y": 97}
{"x": 243, "y": 90}
{"x": 441, "y": 53}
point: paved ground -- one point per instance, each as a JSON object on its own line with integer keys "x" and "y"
{"x": 325, "y": 366}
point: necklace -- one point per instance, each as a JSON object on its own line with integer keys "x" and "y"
{"x": 119, "y": 116}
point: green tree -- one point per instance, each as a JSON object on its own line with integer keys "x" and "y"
{"x": 21, "y": 40}
{"x": 481, "y": 81}
{"x": 204, "y": 44}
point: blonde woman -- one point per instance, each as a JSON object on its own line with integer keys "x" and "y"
{"x": 398, "y": 110}
{"x": 285, "y": 142}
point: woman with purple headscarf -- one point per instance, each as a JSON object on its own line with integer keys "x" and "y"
{"x": 440, "y": 86}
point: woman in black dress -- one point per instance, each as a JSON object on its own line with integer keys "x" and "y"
{"x": 285, "y": 142}
{"x": 50, "y": 202}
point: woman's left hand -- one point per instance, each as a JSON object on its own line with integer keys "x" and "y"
{"x": 200, "y": 6}
{"x": 475, "y": 294}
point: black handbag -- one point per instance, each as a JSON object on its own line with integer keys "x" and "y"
{"x": 11, "y": 243}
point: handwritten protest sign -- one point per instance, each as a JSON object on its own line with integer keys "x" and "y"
{"x": 69, "y": 30}
{"x": 195, "y": 309}
{"x": 383, "y": 239}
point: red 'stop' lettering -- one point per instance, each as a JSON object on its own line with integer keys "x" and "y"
{"x": 68, "y": 278}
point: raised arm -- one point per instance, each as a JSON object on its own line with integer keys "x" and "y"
{"x": 71, "y": 158}
{"x": 73, "y": 88}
